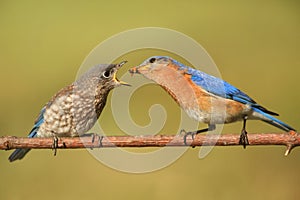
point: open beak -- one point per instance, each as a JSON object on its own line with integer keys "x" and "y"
{"x": 118, "y": 66}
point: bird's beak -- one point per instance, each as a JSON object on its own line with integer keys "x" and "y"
{"x": 139, "y": 69}
{"x": 118, "y": 66}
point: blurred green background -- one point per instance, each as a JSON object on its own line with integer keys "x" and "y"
{"x": 255, "y": 44}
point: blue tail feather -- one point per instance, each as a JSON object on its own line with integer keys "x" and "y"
{"x": 18, "y": 154}
{"x": 273, "y": 121}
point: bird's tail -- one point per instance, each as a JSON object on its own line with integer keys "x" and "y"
{"x": 271, "y": 120}
{"x": 18, "y": 154}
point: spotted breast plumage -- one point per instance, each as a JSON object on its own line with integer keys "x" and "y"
{"x": 205, "y": 98}
{"x": 75, "y": 109}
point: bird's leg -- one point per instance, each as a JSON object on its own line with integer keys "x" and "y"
{"x": 211, "y": 127}
{"x": 100, "y": 138}
{"x": 244, "y": 138}
{"x": 55, "y": 144}
{"x": 95, "y": 137}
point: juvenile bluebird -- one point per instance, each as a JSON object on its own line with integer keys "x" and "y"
{"x": 75, "y": 109}
{"x": 205, "y": 98}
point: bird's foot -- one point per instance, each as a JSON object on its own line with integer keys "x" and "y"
{"x": 55, "y": 145}
{"x": 97, "y": 137}
{"x": 244, "y": 139}
{"x": 191, "y": 133}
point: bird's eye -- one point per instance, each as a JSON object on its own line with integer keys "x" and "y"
{"x": 152, "y": 60}
{"x": 106, "y": 74}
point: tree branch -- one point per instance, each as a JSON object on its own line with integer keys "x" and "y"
{"x": 290, "y": 140}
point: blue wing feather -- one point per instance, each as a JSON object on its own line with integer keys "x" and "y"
{"x": 217, "y": 86}
{"x": 37, "y": 123}
{"x": 220, "y": 87}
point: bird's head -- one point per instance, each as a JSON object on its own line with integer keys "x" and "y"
{"x": 156, "y": 67}
{"x": 103, "y": 75}
{"x": 151, "y": 65}
{"x": 108, "y": 75}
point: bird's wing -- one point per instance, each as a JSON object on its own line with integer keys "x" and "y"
{"x": 37, "y": 123}
{"x": 218, "y": 86}
{"x": 223, "y": 89}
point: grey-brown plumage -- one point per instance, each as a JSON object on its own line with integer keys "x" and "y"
{"x": 75, "y": 109}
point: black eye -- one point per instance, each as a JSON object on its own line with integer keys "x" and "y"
{"x": 152, "y": 60}
{"x": 106, "y": 74}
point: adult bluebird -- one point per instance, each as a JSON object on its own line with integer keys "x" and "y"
{"x": 206, "y": 98}
{"x": 75, "y": 109}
